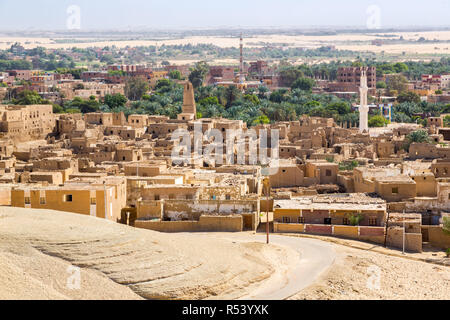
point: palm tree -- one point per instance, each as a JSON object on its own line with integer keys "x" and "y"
{"x": 419, "y": 136}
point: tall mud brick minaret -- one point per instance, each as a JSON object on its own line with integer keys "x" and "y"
{"x": 189, "y": 109}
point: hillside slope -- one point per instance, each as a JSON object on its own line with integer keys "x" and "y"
{"x": 37, "y": 246}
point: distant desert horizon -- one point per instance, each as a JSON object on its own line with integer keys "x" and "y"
{"x": 345, "y": 41}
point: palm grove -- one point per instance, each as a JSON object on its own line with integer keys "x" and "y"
{"x": 255, "y": 105}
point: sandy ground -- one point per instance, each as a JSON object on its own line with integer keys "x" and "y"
{"x": 350, "y": 41}
{"x": 26, "y": 273}
{"x": 359, "y": 274}
{"x": 37, "y": 247}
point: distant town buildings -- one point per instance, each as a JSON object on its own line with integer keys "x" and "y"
{"x": 348, "y": 79}
{"x": 442, "y": 81}
{"x": 343, "y": 179}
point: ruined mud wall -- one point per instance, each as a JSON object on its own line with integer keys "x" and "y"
{"x": 413, "y": 241}
{"x": 205, "y": 224}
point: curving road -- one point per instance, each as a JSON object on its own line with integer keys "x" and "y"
{"x": 315, "y": 257}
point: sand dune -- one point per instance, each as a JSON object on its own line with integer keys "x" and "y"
{"x": 348, "y": 41}
{"x": 37, "y": 246}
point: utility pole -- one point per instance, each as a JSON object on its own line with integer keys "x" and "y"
{"x": 266, "y": 184}
{"x": 386, "y": 232}
{"x": 403, "y": 232}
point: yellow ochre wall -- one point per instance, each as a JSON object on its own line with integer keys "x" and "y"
{"x": 81, "y": 201}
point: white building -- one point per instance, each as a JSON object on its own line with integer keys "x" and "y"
{"x": 363, "y": 108}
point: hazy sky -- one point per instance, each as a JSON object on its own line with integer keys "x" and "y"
{"x": 160, "y": 14}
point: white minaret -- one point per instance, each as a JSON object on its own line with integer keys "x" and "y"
{"x": 363, "y": 107}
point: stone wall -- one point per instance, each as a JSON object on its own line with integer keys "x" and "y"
{"x": 149, "y": 209}
{"x": 205, "y": 224}
{"x": 413, "y": 241}
{"x": 193, "y": 209}
{"x": 437, "y": 237}
{"x": 5, "y": 195}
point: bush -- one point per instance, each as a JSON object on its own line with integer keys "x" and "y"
{"x": 348, "y": 166}
{"x": 446, "y": 225}
{"x": 356, "y": 220}
{"x": 381, "y": 85}
{"x": 377, "y": 121}
{"x": 57, "y": 108}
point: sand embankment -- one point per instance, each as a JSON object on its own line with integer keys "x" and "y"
{"x": 120, "y": 262}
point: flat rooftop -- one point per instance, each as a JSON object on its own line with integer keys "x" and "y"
{"x": 355, "y": 201}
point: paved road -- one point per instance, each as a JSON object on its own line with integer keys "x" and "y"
{"x": 315, "y": 257}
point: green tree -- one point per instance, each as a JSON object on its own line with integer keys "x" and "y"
{"x": 400, "y": 67}
{"x": 447, "y": 121}
{"x": 163, "y": 84}
{"x": 377, "y": 121}
{"x": 108, "y": 59}
{"x": 322, "y": 112}
{"x": 397, "y": 82}
{"x": 82, "y": 105}
{"x": 135, "y": 88}
{"x": 28, "y": 97}
{"x": 116, "y": 73}
{"x": 252, "y": 99}
{"x": 209, "y": 101}
{"x": 175, "y": 75}
{"x": 263, "y": 119}
{"x": 419, "y": 136}
{"x": 75, "y": 72}
{"x": 231, "y": 94}
{"x": 15, "y": 65}
{"x": 57, "y": 108}
{"x": 73, "y": 110}
{"x": 262, "y": 91}
{"x": 115, "y": 100}
{"x": 446, "y": 225}
{"x": 289, "y": 74}
{"x": 340, "y": 107}
{"x": 305, "y": 84}
{"x": 279, "y": 95}
{"x": 381, "y": 85}
{"x": 198, "y": 74}
{"x": 408, "y": 97}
